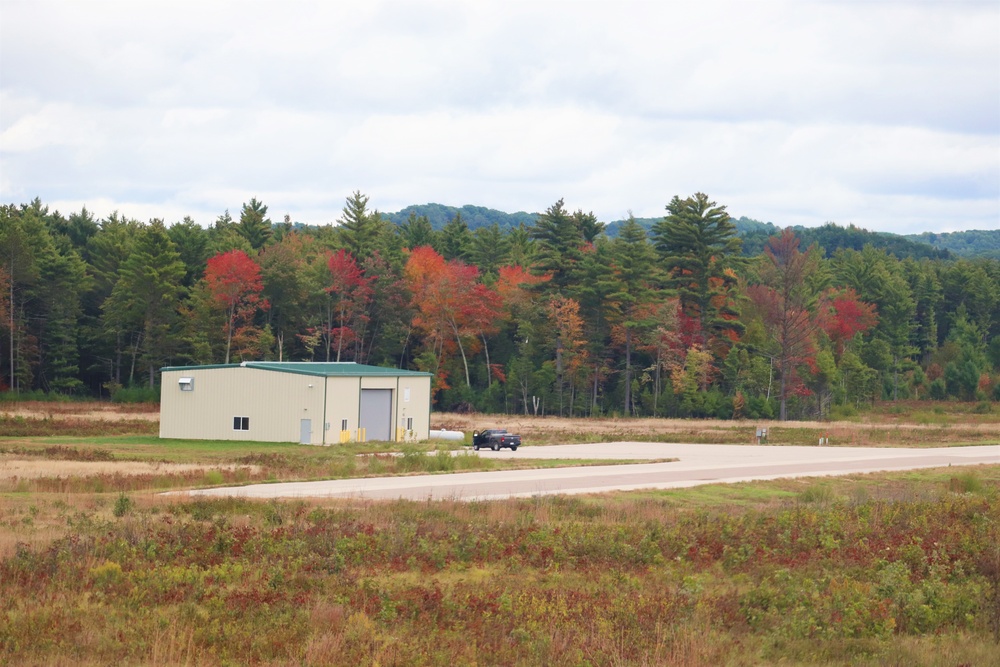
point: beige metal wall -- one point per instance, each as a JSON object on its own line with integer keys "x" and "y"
{"x": 418, "y": 390}
{"x": 343, "y": 402}
{"x": 274, "y": 402}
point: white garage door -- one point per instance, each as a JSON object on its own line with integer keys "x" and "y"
{"x": 376, "y": 413}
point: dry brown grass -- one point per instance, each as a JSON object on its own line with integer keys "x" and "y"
{"x": 12, "y": 468}
{"x": 82, "y": 410}
{"x": 914, "y": 428}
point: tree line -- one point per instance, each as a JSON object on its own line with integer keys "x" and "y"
{"x": 671, "y": 318}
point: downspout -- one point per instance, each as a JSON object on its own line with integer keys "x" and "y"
{"x": 360, "y": 378}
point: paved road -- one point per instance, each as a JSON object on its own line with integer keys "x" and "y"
{"x": 696, "y": 464}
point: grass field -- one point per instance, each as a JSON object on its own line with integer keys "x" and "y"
{"x": 97, "y": 568}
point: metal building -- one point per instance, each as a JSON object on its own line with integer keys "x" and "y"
{"x": 306, "y": 402}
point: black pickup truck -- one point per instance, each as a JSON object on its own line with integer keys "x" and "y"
{"x": 495, "y": 438}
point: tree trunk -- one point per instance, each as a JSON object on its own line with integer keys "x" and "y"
{"x": 628, "y": 371}
{"x": 489, "y": 371}
{"x": 135, "y": 353}
{"x": 461, "y": 348}
{"x": 593, "y": 398}
{"x": 11, "y": 306}
{"x": 559, "y": 375}
{"x": 229, "y": 331}
{"x": 784, "y": 415}
{"x": 329, "y": 327}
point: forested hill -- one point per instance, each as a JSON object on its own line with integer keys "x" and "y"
{"x": 830, "y": 237}
{"x": 754, "y": 233}
{"x": 973, "y": 243}
{"x": 474, "y": 216}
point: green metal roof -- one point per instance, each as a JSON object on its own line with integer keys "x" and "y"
{"x": 316, "y": 368}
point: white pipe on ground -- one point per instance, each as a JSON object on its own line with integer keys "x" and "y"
{"x": 445, "y": 434}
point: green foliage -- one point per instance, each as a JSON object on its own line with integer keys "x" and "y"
{"x": 971, "y": 243}
{"x": 136, "y": 394}
{"x": 88, "y": 306}
{"x": 123, "y": 505}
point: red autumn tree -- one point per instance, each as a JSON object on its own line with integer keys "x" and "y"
{"x": 452, "y": 307}
{"x": 350, "y": 293}
{"x": 844, "y": 314}
{"x": 787, "y": 306}
{"x": 234, "y": 283}
{"x": 514, "y": 287}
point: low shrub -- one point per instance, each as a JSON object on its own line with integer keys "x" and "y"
{"x": 136, "y": 395}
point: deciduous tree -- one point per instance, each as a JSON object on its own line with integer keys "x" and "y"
{"x": 787, "y": 305}
{"x": 234, "y": 283}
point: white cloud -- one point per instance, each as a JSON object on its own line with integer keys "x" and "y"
{"x": 882, "y": 114}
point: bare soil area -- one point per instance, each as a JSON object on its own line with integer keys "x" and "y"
{"x": 527, "y": 425}
{"x": 18, "y": 468}
{"x": 95, "y": 410}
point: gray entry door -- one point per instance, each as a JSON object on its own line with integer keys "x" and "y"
{"x": 376, "y": 413}
{"x": 305, "y": 431}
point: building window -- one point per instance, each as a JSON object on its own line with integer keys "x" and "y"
{"x": 406, "y": 394}
{"x": 343, "y": 424}
{"x": 241, "y": 423}
{"x": 186, "y": 384}
{"x": 409, "y": 423}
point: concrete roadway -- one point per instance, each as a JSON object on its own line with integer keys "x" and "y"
{"x": 696, "y": 464}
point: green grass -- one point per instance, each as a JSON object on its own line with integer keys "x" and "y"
{"x": 718, "y": 495}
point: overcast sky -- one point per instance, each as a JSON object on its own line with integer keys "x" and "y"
{"x": 881, "y": 114}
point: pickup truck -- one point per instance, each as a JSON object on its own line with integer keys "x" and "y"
{"x": 495, "y": 438}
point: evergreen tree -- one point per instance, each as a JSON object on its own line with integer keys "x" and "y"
{"x": 559, "y": 247}
{"x": 146, "y": 297}
{"x": 633, "y": 278}
{"x": 489, "y": 249}
{"x": 359, "y": 229}
{"x": 254, "y": 225}
{"x": 588, "y": 225}
{"x": 417, "y": 232}
{"x": 699, "y": 251}
{"x": 192, "y": 242}
{"x": 455, "y": 239}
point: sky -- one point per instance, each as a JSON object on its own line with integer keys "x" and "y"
{"x": 885, "y": 115}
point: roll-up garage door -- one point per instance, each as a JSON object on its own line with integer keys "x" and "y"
{"x": 376, "y": 413}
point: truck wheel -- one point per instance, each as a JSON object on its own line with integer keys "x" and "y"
{"x": 475, "y": 446}
{"x": 496, "y": 446}
{"x": 514, "y": 448}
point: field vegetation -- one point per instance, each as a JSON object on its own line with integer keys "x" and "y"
{"x": 887, "y": 569}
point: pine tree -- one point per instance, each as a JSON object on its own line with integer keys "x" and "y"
{"x": 254, "y": 225}
{"x": 699, "y": 250}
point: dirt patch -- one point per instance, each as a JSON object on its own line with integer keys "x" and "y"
{"x": 458, "y": 422}
{"x": 88, "y": 411}
{"x": 17, "y": 468}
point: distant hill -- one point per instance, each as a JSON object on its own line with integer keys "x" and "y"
{"x": 474, "y": 216}
{"x": 973, "y": 243}
{"x": 830, "y": 237}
